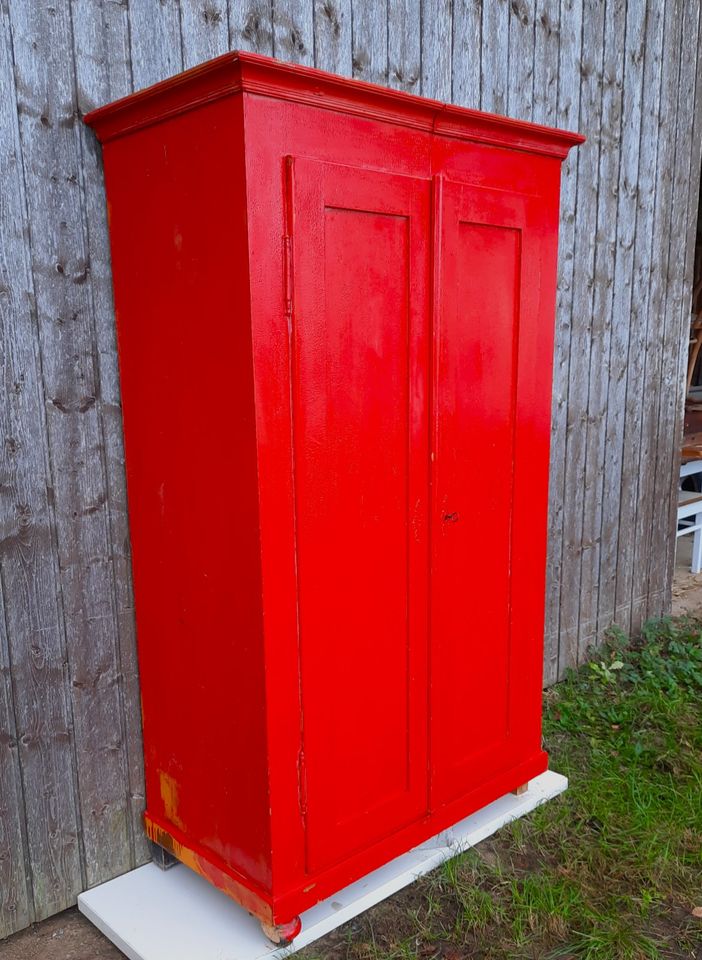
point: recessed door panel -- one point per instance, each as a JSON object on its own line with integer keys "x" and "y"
{"x": 359, "y": 336}
{"x": 484, "y": 246}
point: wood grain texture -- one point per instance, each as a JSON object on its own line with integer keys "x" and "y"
{"x": 575, "y": 548}
{"x": 558, "y": 568}
{"x": 155, "y": 40}
{"x": 686, "y": 173}
{"x": 16, "y": 901}
{"x": 522, "y": 40}
{"x": 204, "y": 27}
{"x": 648, "y": 518}
{"x": 494, "y": 56}
{"x": 404, "y": 45}
{"x": 590, "y": 629}
{"x": 101, "y": 36}
{"x": 332, "y": 36}
{"x": 547, "y": 17}
{"x": 467, "y": 32}
{"x": 628, "y": 601}
{"x": 34, "y": 647}
{"x": 53, "y": 170}
{"x": 251, "y": 26}
{"x": 666, "y": 454}
{"x": 546, "y": 102}
{"x": 615, "y": 472}
{"x": 625, "y": 72}
{"x": 293, "y": 31}
{"x": 369, "y": 36}
{"x": 436, "y": 49}
{"x": 692, "y": 37}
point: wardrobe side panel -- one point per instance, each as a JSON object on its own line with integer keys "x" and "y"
{"x": 179, "y": 251}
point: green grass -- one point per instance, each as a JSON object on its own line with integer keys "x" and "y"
{"x": 609, "y": 871}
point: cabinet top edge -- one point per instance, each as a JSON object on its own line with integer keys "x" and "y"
{"x": 240, "y": 71}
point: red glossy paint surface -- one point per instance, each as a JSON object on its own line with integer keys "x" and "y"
{"x": 335, "y": 319}
{"x": 359, "y": 414}
{"x": 490, "y": 250}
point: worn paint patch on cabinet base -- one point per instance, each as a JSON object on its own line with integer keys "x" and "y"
{"x": 152, "y": 915}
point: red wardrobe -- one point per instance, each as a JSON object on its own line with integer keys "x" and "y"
{"x": 335, "y": 312}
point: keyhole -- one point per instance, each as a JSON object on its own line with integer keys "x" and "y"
{"x": 450, "y": 518}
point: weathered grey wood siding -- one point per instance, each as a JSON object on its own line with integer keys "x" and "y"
{"x": 624, "y": 72}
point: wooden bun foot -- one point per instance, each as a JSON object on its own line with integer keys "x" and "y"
{"x": 282, "y": 933}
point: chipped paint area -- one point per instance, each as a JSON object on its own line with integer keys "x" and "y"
{"x": 169, "y": 795}
{"x": 203, "y": 866}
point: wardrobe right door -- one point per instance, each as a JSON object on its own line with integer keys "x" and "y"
{"x": 493, "y": 342}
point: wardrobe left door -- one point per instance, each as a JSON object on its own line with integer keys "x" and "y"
{"x": 359, "y": 325}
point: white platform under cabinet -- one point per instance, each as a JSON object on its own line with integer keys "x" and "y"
{"x": 177, "y": 915}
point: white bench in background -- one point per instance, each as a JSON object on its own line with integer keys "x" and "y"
{"x": 690, "y": 513}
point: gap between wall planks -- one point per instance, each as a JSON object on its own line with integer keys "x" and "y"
{"x": 624, "y": 72}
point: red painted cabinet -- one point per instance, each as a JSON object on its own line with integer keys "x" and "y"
{"x": 335, "y": 310}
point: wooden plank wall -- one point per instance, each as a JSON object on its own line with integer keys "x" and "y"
{"x": 625, "y": 72}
